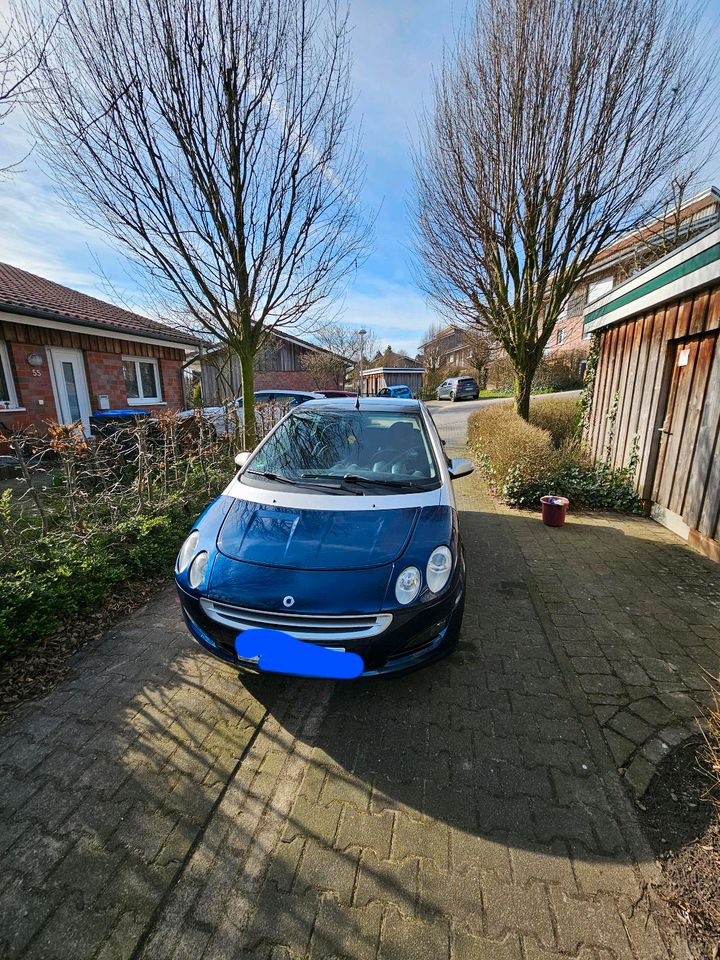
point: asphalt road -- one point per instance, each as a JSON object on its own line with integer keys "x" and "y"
{"x": 451, "y": 418}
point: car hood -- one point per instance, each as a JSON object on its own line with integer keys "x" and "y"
{"x": 278, "y": 536}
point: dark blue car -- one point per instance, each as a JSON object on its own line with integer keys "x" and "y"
{"x": 335, "y": 550}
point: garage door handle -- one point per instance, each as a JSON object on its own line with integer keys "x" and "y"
{"x": 663, "y": 430}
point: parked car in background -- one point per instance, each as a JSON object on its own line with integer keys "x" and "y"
{"x": 335, "y": 551}
{"x": 270, "y": 406}
{"x": 339, "y": 393}
{"x": 458, "y": 388}
{"x": 399, "y": 392}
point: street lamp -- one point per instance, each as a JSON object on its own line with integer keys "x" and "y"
{"x": 362, "y": 334}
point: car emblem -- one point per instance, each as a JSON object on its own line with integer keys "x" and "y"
{"x": 288, "y": 601}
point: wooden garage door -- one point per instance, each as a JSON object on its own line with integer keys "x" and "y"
{"x": 687, "y": 478}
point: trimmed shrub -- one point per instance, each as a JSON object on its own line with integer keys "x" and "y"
{"x": 521, "y": 463}
{"x": 560, "y": 416}
{"x": 504, "y": 442}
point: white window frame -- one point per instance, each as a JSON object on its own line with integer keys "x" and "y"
{"x": 144, "y": 401}
{"x": 7, "y": 371}
{"x": 560, "y": 337}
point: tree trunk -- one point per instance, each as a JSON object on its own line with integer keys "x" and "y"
{"x": 248, "y": 395}
{"x": 523, "y": 386}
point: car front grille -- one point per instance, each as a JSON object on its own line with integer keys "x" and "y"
{"x": 316, "y": 629}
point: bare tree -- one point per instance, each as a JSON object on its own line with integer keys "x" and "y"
{"x": 339, "y": 351}
{"x": 16, "y": 70}
{"x": 669, "y": 225}
{"x": 551, "y": 125}
{"x": 432, "y": 356}
{"x": 211, "y": 139}
{"x": 481, "y": 351}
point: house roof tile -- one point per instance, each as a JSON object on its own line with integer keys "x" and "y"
{"x": 29, "y": 295}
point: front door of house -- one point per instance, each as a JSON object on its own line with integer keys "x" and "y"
{"x": 70, "y": 386}
{"x": 687, "y": 436}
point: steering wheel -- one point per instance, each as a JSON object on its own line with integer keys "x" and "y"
{"x": 323, "y": 450}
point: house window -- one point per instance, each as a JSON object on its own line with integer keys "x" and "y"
{"x": 587, "y": 334}
{"x": 599, "y": 288}
{"x": 8, "y": 397}
{"x": 560, "y": 336}
{"x": 142, "y": 380}
{"x": 547, "y": 351}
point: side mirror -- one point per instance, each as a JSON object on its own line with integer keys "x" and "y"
{"x": 242, "y": 458}
{"x": 460, "y": 468}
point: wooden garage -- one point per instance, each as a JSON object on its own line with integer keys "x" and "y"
{"x": 657, "y": 387}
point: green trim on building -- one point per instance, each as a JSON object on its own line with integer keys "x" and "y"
{"x": 661, "y": 280}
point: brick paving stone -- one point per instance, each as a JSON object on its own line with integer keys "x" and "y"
{"x": 345, "y": 932}
{"x": 464, "y": 811}
{"x": 324, "y": 869}
{"x": 405, "y": 938}
{"x": 386, "y": 882}
{"x": 367, "y": 831}
{"x": 597, "y": 923}
{"x": 468, "y": 946}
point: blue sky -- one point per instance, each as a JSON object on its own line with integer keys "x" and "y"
{"x": 395, "y": 45}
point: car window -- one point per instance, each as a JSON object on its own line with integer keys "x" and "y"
{"x": 264, "y": 396}
{"x": 389, "y": 450}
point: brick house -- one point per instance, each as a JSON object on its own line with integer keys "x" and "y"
{"x": 625, "y": 257}
{"x": 449, "y": 347}
{"x": 65, "y": 355}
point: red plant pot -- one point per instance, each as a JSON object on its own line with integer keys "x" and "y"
{"x": 554, "y": 510}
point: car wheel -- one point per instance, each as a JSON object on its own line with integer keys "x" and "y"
{"x": 453, "y": 397}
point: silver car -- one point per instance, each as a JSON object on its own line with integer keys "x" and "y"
{"x": 458, "y": 388}
{"x": 271, "y": 406}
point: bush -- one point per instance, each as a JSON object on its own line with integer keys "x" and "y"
{"x": 560, "y": 416}
{"x": 504, "y": 442}
{"x": 521, "y": 463}
{"x": 91, "y": 513}
{"x": 69, "y": 577}
{"x": 558, "y": 372}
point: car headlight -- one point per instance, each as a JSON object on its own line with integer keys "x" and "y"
{"x": 439, "y": 568}
{"x": 198, "y": 569}
{"x": 186, "y": 551}
{"x": 408, "y": 584}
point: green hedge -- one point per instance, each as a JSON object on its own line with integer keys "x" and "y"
{"x": 68, "y": 577}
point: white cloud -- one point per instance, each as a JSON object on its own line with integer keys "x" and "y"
{"x": 396, "y": 313}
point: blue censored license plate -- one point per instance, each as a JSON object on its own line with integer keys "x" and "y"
{"x": 278, "y": 652}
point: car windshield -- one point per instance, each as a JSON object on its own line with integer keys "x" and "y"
{"x": 350, "y": 451}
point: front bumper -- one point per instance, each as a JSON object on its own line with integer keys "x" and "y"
{"x": 417, "y": 635}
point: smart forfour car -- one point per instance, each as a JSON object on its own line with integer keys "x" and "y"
{"x": 335, "y": 550}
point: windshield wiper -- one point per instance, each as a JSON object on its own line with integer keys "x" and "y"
{"x": 269, "y": 475}
{"x": 279, "y": 478}
{"x": 382, "y": 482}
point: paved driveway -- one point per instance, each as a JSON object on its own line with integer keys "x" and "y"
{"x": 156, "y": 806}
